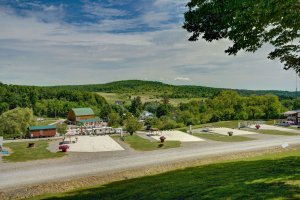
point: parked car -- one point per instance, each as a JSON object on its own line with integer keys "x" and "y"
{"x": 286, "y": 123}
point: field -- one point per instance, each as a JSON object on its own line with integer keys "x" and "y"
{"x": 271, "y": 176}
{"x": 21, "y": 153}
{"x": 141, "y": 144}
{"x": 112, "y": 97}
{"x": 46, "y": 122}
{"x": 222, "y": 138}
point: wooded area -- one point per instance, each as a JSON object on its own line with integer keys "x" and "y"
{"x": 158, "y": 89}
{"x": 220, "y": 105}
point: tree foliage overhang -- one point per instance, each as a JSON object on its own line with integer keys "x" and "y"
{"x": 249, "y": 24}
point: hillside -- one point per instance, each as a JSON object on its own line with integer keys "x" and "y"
{"x": 158, "y": 89}
{"x": 51, "y": 102}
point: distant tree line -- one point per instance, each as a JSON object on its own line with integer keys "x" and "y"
{"x": 227, "y": 105}
{"x": 159, "y": 90}
{"x": 50, "y": 102}
{"x": 57, "y": 101}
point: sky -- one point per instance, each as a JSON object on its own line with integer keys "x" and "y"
{"x": 58, "y": 42}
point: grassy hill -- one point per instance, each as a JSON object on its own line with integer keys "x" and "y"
{"x": 158, "y": 90}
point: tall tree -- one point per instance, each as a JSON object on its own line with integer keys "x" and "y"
{"x": 15, "y": 122}
{"x": 114, "y": 119}
{"x": 249, "y": 25}
{"x": 132, "y": 125}
{"x": 136, "y": 106}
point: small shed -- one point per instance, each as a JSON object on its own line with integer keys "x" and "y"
{"x": 42, "y": 131}
{"x": 78, "y": 114}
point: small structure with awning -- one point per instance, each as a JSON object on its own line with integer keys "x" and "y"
{"x": 293, "y": 115}
{"x": 91, "y": 122}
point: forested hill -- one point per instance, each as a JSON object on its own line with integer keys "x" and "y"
{"x": 172, "y": 91}
{"x": 51, "y": 102}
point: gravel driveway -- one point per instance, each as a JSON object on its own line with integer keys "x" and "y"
{"x": 83, "y": 164}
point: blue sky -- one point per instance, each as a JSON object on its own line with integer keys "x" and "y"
{"x": 55, "y": 42}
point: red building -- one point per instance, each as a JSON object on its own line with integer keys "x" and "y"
{"x": 42, "y": 131}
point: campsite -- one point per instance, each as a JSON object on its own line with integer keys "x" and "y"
{"x": 149, "y": 100}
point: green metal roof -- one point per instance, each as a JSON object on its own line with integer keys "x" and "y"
{"x": 35, "y": 128}
{"x": 97, "y": 119}
{"x": 83, "y": 111}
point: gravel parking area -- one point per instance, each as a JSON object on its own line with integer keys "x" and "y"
{"x": 278, "y": 128}
{"x": 95, "y": 144}
{"x": 177, "y": 136}
{"x": 224, "y": 131}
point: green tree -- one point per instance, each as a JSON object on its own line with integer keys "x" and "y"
{"x": 132, "y": 125}
{"x": 114, "y": 119}
{"x": 3, "y": 107}
{"x": 62, "y": 128}
{"x": 296, "y": 104}
{"x": 154, "y": 122}
{"x": 249, "y": 25}
{"x": 164, "y": 110}
{"x": 15, "y": 122}
{"x": 168, "y": 124}
{"x": 151, "y": 106}
{"x": 136, "y": 106}
{"x": 272, "y": 107}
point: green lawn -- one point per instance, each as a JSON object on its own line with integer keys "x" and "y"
{"x": 141, "y": 144}
{"x": 46, "y": 121}
{"x": 222, "y": 138}
{"x": 226, "y": 124}
{"x": 275, "y": 132}
{"x": 21, "y": 153}
{"x": 273, "y": 176}
{"x": 147, "y": 97}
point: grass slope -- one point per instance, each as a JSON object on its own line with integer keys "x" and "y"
{"x": 113, "y": 97}
{"x": 222, "y": 138}
{"x": 226, "y": 124}
{"x": 276, "y": 132}
{"x": 275, "y": 176}
{"x": 141, "y": 144}
{"x": 21, "y": 153}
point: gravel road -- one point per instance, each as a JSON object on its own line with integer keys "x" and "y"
{"x": 20, "y": 174}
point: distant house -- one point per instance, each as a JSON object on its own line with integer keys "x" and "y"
{"x": 119, "y": 102}
{"x": 42, "y": 131}
{"x": 77, "y": 114}
{"x": 293, "y": 115}
{"x": 146, "y": 115}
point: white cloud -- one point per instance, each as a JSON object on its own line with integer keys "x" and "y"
{"x": 97, "y": 9}
{"x": 33, "y": 52}
{"x": 52, "y": 8}
{"x": 182, "y": 79}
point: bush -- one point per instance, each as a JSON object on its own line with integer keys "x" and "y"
{"x": 62, "y": 128}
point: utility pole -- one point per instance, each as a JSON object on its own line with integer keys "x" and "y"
{"x": 296, "y": 95}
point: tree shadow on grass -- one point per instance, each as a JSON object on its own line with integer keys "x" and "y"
{"x": 263, "y": 179}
